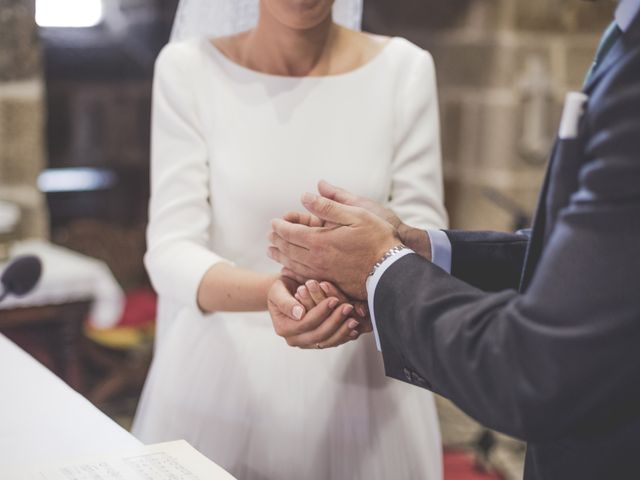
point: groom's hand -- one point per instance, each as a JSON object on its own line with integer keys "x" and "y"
{"x": 345, "y": 197}
{"x": 413, "y": 238}
{"x": 342, "y": 251}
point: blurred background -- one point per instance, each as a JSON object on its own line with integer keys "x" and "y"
{"x": 75, "y": 97}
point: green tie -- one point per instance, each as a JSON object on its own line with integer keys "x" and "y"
{"x": 609, "y": 39}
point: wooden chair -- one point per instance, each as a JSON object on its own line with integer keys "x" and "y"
{"x": 122, "y": 353}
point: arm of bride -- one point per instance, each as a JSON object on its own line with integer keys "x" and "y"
{"x": 225, "y": 288}
{"x": 180, "y": 262}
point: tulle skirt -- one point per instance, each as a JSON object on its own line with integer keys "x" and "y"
{"x": 265, "y": 411}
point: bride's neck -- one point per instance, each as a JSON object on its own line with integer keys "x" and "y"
{"x": 277, "y": 49}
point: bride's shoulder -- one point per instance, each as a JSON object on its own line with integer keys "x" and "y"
{"x": 402, "y": 53}
{"x": 410, "y": 60}
{"x": 183, "y": 54}
{"x": 405, "y": 51}
{"x": 231, "y": 45}
{"x": 366, "y": 44}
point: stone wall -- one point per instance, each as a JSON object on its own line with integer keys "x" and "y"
{"x": 21, "y": 114}
{"x": 504, "y": 67}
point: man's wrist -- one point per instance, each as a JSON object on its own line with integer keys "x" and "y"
{"x": 388, "y": 254}
{"x": 415, "y": 239}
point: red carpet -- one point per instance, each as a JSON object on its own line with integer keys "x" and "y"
{"x": 461, "y": 466}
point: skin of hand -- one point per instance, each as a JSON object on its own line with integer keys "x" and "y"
{"x": 345, "y": 197}
{"x": 313, "y": 293}
{"x": 326, "y": 323}
{"x": 342, "y": 251}
{"x": 413, "y": 238}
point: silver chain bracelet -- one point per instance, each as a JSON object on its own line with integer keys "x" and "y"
{"x": 390, "y": 253}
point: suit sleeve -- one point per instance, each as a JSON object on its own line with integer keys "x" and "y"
{"x": 490, "y": 261}
{"x": 539, "y": 364}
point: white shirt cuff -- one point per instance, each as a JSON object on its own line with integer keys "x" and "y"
{"x": 440, "y": 249}
{"x": 372, "y": 284}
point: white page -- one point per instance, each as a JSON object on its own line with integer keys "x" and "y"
{"x": 164, "y": 461}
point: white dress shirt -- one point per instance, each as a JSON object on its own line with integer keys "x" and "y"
{"x": 625, "y": 14}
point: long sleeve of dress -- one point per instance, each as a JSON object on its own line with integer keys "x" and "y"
{"x": 417, "y": 186}
{"x": 180, "y": 214}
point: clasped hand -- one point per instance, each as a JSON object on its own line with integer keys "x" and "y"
{"x": 315, "y": 315}
{"x": 327, "y": 255}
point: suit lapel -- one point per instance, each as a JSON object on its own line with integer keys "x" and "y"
{"x": 628, "y": 40}
{"x": 534, "y": 249}
{"x": 542, "y": 223}
{"x": 616, "y": 53}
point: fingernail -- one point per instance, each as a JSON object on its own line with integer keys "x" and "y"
{"x": 347, "y": 309}
{"x": 325, "y": 288}
{"x": 298, "y": 311}
{"x": 354, "y": 334}
{"x": 353, "y": 324}
{"x": 360, "y": 310}
{"x": 302, "y": 291}
{"x": 312, "y": 285}
{"x": 333, "y": 303}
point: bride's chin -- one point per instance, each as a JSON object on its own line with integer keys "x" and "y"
{"x": 300, "y": 15}
{"x": 308, "y": 24}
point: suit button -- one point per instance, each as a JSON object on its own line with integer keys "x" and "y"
{"x": 418, "y": 380}
{"x": 407, "y": 375}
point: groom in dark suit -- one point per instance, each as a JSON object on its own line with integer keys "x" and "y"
{"x": 535, "y": 335}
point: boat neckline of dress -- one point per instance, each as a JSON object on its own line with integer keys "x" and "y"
{"x": 372, "y": 61}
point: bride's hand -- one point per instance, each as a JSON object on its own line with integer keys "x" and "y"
{"x": 313, "y": 293}
{"x": 316, "y": 328}
{"x": 322, "y": 326}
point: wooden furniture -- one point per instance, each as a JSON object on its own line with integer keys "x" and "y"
{"x": 122, "y": 354}
{"x": 53, "y": 335}
{"x": 48, "y": 322}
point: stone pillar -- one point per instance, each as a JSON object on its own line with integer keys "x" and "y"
{"x": 22, "y": 154}
{"x": 504, "y": 67}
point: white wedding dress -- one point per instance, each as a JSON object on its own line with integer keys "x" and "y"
{"x": 232, "y": 149}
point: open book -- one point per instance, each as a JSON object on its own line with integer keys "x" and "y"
{"x": 164, "y": 461}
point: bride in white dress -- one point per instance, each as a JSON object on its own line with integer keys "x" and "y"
{"x": 242, "y": 125}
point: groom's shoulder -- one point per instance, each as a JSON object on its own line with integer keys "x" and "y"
{"x": 619, "y": 88}
{"x": 628, "y": 69}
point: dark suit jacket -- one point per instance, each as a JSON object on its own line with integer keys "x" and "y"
{"x": 545, "y": 348}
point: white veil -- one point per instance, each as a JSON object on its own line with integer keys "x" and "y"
{"x": 216, "y": 18}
